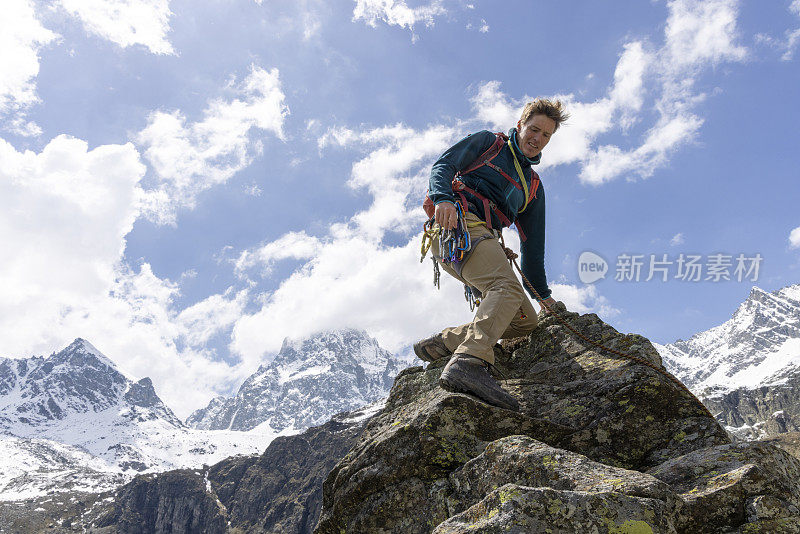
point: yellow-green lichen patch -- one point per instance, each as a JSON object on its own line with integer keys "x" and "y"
{"x": 572, "y": 411}
{"x": 549, "y": 461}
{"x": 632, "y": 527}
{"x": 508, "y": 494}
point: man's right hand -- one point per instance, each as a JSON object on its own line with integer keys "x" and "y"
{"x": 446, "y": 215}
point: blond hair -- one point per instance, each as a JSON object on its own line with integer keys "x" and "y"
{"x": 552, "y": 109}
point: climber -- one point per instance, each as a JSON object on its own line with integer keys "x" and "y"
{"x": 491, "y": 177}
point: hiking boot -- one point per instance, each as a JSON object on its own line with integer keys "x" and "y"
{"x": 467, "y": 374}
{"x": 431, "y": 348}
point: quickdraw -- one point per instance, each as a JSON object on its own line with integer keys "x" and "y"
{"x": 473, "y": 301}
{"x": 453, "y": 247}
{"x": 453, "y": 244}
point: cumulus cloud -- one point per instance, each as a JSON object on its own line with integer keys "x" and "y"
{"x": 698, "y": 35}
{"x": 396, "y": 13}
{"x": 22, "y": 36}
{"x": 794, "y": 238}
{"x": 126, "y": 22}
{"x": 294, "y": 245}
{"x": 65, "y": 213}
{"x": 789, "y": 44}
{"x": 191, "y": 157}
{"x": 677, "y": 239}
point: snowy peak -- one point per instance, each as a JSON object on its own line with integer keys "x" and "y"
{"x": 81, "y": 352}
{"x": 74, "y": 381}
{"x": 759, "y": 345}
{"x": 307, "y": 382}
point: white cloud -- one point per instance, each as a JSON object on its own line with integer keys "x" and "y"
{"x": 396, "y": 13}
{"x": 584, "y": 299}
{"x": 698, "y": 35}
{"x": 677, "y": 239}
{"x": 65, "y": 213}
{"x": 253, "y": 190}
{"x": 207, "y": 318}
{"x": 67, "y": 204}
{"x": 189, "y": 158}
{"x": 704, "y": 32}
{"x": 126, "y": 22}
{"x": 792, "y": 36}
{"x": 794, "y": 238}
{"x": 21, "y": 38}
{"x": 294, "y": 245}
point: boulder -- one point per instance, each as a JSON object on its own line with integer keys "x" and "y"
{"x": 401, "y": 475}
{"x": 751, "y": 486}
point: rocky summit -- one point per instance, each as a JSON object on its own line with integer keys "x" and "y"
{"x": 601, "y": 444}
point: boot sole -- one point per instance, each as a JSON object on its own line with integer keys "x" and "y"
{"x": 455, "y": 387}
{"x": 423, "y": 355}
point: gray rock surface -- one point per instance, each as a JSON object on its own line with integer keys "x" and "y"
{"x": 410, "y": 470}
{"x": 750, "y": 486}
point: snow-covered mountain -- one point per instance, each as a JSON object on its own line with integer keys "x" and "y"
{"x": 306, "y": 383}
{"x": 758, "y": 346}
{"x": 73, "y": 421}
{"x": 748, "y": 368}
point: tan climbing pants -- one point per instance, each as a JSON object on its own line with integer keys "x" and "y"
{"x": 504, "y": 310}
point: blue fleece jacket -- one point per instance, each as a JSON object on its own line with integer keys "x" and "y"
{"x": 496, "y": 188}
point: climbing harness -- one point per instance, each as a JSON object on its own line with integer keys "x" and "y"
{"x": 455, "y": 244}
{"x": 461, "y": 190}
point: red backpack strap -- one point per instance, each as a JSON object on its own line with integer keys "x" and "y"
{"x": 534, "y": 185}
{"x": 519, "y": 231}
{"x": 488, "y": 155}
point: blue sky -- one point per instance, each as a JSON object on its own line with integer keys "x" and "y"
{"x": 185, "y": 184}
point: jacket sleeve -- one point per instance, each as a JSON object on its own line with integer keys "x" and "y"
{"x": 532, "y": 222}
{"x": 456, "y": 158}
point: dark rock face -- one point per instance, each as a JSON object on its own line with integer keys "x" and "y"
{"x": 759, "y": 412}
{"x": 586, "y": 453}
{"x": 175, "y": 501}
{"x": 279, "y": 491}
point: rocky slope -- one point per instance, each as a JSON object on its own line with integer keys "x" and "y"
{"x": 306, "y": 383}
{"x": 747, "y": 370}
{"x": 602, "y": 444}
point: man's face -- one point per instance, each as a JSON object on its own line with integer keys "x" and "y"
{"x": 534, "y": 135}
